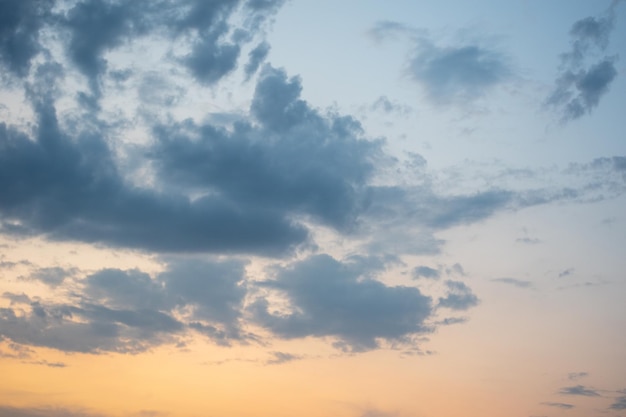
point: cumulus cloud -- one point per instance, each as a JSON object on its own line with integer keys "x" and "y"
{"x": 70, "y": 189}
{"x": 130, "y": 311}
{"x": 295, "y": 160}
{"x": 586, "y": 72}
{"x": 330, "y": 298}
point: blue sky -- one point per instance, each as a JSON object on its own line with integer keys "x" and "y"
{"x": 398, "y": 200}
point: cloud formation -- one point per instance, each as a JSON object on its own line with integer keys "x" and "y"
{"x": 130, "y": 311}
{"x": 329, "y": 298}
{"x": 459, "y": 296}
{"x": 579, "y": 390}
{"x": 457, "y": 73}
{"x": 563, "y": 406}
{"x": 619, "y": 404}
{"x": 581, "y": 84}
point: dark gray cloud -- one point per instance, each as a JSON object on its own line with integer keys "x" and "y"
{"x": 210, "y": 60}
{"x": 619, "y": 404}
{"x": 295, "y": 160}
{"x": 20, "y": 25}
{"x": 563, "y": 406}
{"x": 90, "y": 29}
{"x": 69, "y": 188}
{"x": 425, "y": 272}
{"x": 129, "y": 311}
{"x": 515, "y": 282}
{"x": 337, "y": 299}
{"x": 256, "y": 58}
{"x": 459, "y": 297}
{"x": 566, "y": 272}
{"x": 100, "y": 329}
{"x": 578, "y": 93}
{"x": 288, "y": 160}
{"x": 97, "y": 26}
{"x": 457, "y": 73}
{"x": 581, "y": 84}
{"x": 579, "y": 390}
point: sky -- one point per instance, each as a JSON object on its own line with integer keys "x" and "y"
{"x": 268, "y": 208}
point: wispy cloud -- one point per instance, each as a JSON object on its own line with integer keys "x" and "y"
{"x": 579, "y": 390}
{"x": 515, "y": 282}
{"x": 563, "y": 406}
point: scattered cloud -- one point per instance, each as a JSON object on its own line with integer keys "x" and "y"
{"x": 580, "y": 84}
{"x": 563, "y": 406}
{"x": 566, "y": 272}
{"x": 579, "y": 390}
{"x": 458, "y": 73}
{"x": 255, "y": 58}
{"x": 282, "y": 357}
{"x": 459, "y": 297}
{"x": 48, "y": 364}
{"x": 385, "y": 105}
{"x": 574, "y": 376}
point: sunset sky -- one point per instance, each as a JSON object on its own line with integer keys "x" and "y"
{"x": 312, "y": 208}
